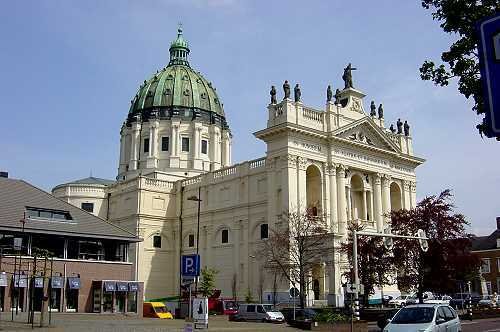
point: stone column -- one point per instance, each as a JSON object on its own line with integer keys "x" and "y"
{"x": 174, "y": 154}
{"x": 153, "y": 142}
{"x": 365, "y": 206}
{"x": 135, "y": 145}
{"x": 288, "y": 183}
{"x": 332, "y": 174}
{"x": 350, "y": 210}
{"x": 226, "y": 158}
{"x": 236, "y": 241}
{"x": 123, "y": 140}
{"x": 341, "y": 194}
{"x": 406, "y": 195}
{"x": 197, "y": 161}
{"x": 413, "y": 194}
{"x": 386, "y": 197}
{"x": 377, "y": 202}
{"x": 301, "y": 185}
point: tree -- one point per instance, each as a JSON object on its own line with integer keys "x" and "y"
{"x": 261, "y": 284}
{"x": 448, "y": 258}
{"x": 458, "y": 17}
{"x": 207, "y": 284}
{"x": 375, "y": 265}
{"x": 248, "y": 296}
{"x": 296, "y": 246}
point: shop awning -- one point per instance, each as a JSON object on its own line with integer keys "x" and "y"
{"x": 133, "y": 287}
{"x": 109, "y": 286}
{"x": 74, "y": 282}
{"x": 56, "y": 282}
{"x": 20, "y": 281}
{"x": 39, "y": 282}
{"x": 3, "y": 279}
{"x": 121, "y": 286}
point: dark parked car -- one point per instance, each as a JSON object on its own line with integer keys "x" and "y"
{"x": 459, "y": 300}
{"x": 300, "y": 314}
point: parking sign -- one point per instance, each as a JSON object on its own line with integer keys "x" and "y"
{"x": 489, "y": 60}
{"x": 190, "y": 265}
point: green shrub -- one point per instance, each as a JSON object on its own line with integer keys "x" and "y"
{"x": 330, "y": 317}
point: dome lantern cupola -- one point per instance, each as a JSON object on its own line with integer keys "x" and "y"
{"x": 179, "y": 50}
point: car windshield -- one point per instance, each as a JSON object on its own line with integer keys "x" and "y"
{"x": 417, "y": 315}
{"x": 161, "y": 309}
{"x": 230, "y": 305}
{"x": 269, "y": 308}
{"x": 402, "y": 297}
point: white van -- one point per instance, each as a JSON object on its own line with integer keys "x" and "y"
{"x": 259, "y": 312}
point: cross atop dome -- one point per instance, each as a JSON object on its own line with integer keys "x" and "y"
{"x": 179, "y": 50}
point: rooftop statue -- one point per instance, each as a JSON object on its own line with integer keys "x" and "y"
{"x": 329, "y": 94}
{"x": 337, "y": 97}
{"x": 273, "y": 95}
{"x": 399, "y": 124}
{"x": 391, "y": 128}
{"x": 406, "y": 127}
{"x": 380, "y": 112}
{"x": 347, "y": 76}
{"x": 296, "y": 93}
{"x": 286, "y": 89}
{"x": 373, "y": 109}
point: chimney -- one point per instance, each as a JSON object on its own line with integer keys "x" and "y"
{"x": 498, "y": 223}
{"x": 6, "y": 175}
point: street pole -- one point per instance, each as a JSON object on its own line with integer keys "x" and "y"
{"x": 356, "y": 276}
{"x": 198, "y": 238}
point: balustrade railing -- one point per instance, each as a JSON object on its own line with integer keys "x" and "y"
{"x": 312, "y": 114}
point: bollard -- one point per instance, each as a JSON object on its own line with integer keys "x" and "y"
{"x": 356, "y": 309}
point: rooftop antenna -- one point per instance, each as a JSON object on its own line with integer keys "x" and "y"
{"x": 91, "y": 172}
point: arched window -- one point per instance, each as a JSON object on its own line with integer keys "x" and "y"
{"x": 264, "y": 231}
{"x": 396, "y": 197}
{"x": 225, "y": 236}
{"x": 313, "y": 190}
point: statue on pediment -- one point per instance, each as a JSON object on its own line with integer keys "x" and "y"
{"x": 337, "y": 97}
{"x": 273, "y": 95}
{"x": 380, "y": 112}
{"x": 406, "y": 128}
{"x": 329, "y": 94}
{"x": 399, "y": 124}
{"x": 296, "y": 93}
{"x": 373, "y": 109}
{"x": 392, "y": 129}
{"x": 286, "y": 90}
{"x": 347, "y": 76}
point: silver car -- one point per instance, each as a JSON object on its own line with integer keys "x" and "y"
{"x": 258, "y": 312}
{"x": 425, "y": 318}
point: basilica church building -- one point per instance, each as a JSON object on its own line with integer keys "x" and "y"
{"x": 175, "y": 153}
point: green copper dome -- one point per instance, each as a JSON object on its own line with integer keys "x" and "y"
{"x": 177, "y": 86}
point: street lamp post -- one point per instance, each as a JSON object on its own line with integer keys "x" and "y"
{"x": 197, "y": 199}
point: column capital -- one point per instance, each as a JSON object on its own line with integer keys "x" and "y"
{"x": 331, "y": 169}
{"x": 406, "y": 185}
{"x": 413, "y": 186}
{"x": 341, "y": 170}
{"x": 302, "y": 163}
{"x": 386, "y": 179}
{"x": 289, "y": 160}
{"x": 377, "y": 177}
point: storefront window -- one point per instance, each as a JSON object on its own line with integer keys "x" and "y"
{"x": 54, "y": 244}
{"x": 107, "y": 302}
{"x": 132, "y": 302}
{"x": 72, "y": 289}
{"x": 92, "y": 250}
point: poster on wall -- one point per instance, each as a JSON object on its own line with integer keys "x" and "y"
{"x": 200, "y": 313}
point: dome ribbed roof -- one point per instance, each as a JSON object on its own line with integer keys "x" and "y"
{"x": 177, "y": 85}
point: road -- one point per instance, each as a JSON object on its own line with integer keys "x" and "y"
{"x": 480, "y": 325}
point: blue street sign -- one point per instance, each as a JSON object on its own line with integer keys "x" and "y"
{"x": 190, "y": 265}
{"x": 489, "y": 60}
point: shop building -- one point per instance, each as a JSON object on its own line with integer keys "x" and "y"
{"x": 87, "y": 268}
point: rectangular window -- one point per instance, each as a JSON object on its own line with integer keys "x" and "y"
{"x": 251, "y": 308}
{"x": 146, "y": 145}
{"x": 498, "y": 266}
{"x": 488, "y": 287}
{"x": 486, "y": 266}
{"x": 58, "y": 215}
{"x": 191, "y": 240}
{"x": 165, "y": 143}
{"x": 157, "y": 241}
{"x": 185, "y": 144}
{"x": 264, "y": 231}
{"x": 225, "y": 236}
{"x": 89, "y": 207}
{"x": 204, "y": 146}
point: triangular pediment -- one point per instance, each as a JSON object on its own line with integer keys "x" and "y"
{"x": 365, "y": 131}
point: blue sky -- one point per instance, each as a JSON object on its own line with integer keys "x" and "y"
{"x": 68, "y": 70}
